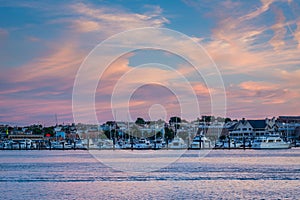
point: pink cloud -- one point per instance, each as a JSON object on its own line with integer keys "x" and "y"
{"x": 41, "y": 87}
{"x": 111, "y": 21}
{"x": 234, "y": 45}
{"x": 279, "y": 29}
{"x": 86, "y": 25}
{"x": 260, "y": 93}
{"x": 264, "y": 7}
{"x": 61, "y": 64}
{"x": 297, "y": 34}
{"x": 260, "y": 99}
{"x": 257, "y": 86}
{"x": 30, "y": 110}
{"x": 237, "y": 48}
{"x": 200, "y": 89}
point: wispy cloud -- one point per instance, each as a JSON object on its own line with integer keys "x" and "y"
{"x": 263, "y": 8}
{"x": 279, "y": 30}
{"x": 61, "y": 64}
{"x": 297, "y": 34}
{"x": 256, "y": 48}
{"x": 257, "y": 86}
{"x": 112, "y": 20}
{"x": 46, "y": 82}
{"x": 265, "y": 53}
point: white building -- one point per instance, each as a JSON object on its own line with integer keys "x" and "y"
{"x": 254, "y": 128}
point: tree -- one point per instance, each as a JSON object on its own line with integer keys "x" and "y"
{"x": 135, "y": 132}
{"x": 205, "y": 118}
{"x": 112, "y": 130}
{"x": 227, "y": 119}
{"x": 175, "y": 120}
{"x": 222, "y": 137}
{"x": 156, "y": 135}
{"x": 140, "y": 121}
{"x": 169, "y": 133}
{"x": 48, "y": 130}
{"x": 220, "y": 119}
{"x": 36, "y": 131}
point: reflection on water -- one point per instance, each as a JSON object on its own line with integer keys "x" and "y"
{"x": 221, "y": 174}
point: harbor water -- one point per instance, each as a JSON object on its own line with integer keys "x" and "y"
{"x": 221, "y": 174}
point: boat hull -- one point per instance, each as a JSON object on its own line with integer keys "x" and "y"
{"x": 266, "y": 146}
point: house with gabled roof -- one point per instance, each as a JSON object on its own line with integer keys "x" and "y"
{"x": 254, "y": 128}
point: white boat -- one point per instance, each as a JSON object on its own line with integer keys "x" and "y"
{"x": 233, "y": 144}
{"x": 24, "y": 144}
{"x": 79, "y": 145}
{"x": 142, "y": 144}
{"x": 106, "y": 144}
{"x": 205, "y": 142}
{"x": 271, "y": 142}
{"x": 6, "y": 145}
{"x": 158, "y": 144}
{"x": 89, "y": 144}
{"x": 127, "y": 144}
{"x": 60, "y": 145}
{"x": 177, "y": 143}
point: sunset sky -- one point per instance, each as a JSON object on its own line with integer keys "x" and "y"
{"x": 254, "y": 44}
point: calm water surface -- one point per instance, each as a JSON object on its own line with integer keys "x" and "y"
{"x": 222, "y": 174}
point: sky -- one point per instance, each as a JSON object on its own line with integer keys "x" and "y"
{"x": 254, "y": 45}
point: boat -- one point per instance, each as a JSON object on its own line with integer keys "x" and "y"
{"x": 5, "y": 145}
{"x": 27, "y": 144}
{"x": 78, "y": 145}
{"x": 60, "y": 145}
{"x": 177, "y": 143}
{"x": 270, "y": 142}
{"x": 128, "y": 144}
{"x": 106, "y": 144}
{"x": 142, "y": 143}
{"x": 205, "y": 142}
{"x": 89, "y": 144}
{"x": 232, "y": 144}
{"x": 159, "y": 143}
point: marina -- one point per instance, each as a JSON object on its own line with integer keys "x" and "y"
{"x": 154, "y": 135}
{"x": 199, "y": 142}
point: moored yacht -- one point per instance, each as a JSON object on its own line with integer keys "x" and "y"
{"x": 177, "y": 143}
{"x": 143, "y": 143}
{"x": 60, "y": 145}
{"x": 232, "y": 144}
{"x": 159, "y": 143}
{"x": 89, "y": 144}
{"x": 270, "y": 142}
{"x": 106, "y": 144}
{"x": 205, "y": 142}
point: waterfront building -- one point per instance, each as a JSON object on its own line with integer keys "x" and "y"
{"x": 288, "y": 119}
{"x": 290, "y": 130}
{"x": 254, "y": 128}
